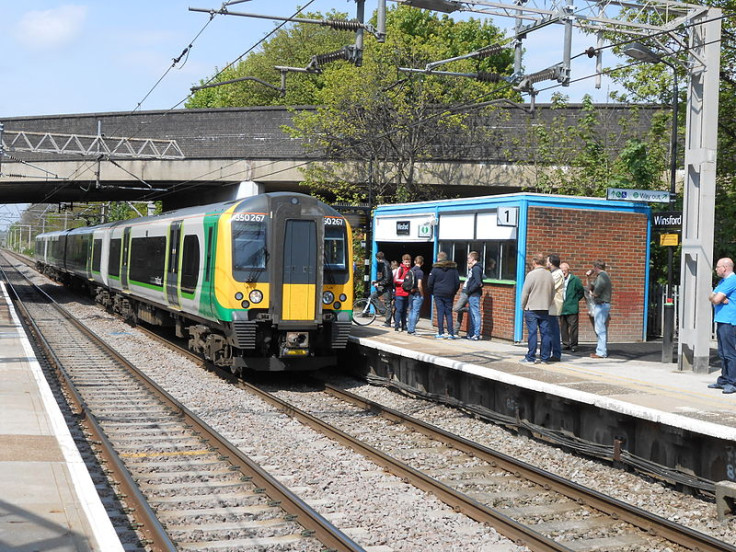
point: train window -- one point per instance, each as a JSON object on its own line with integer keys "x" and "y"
{"x": 113, "y": 267}
{"x": 249, "y": 248}
{"x": 96, "y": 255}
{"x": 335, "y": 257}
{"x": 190, "y": 264}
{"x": 147, "y": 256}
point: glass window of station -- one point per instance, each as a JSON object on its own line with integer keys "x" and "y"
{"x": 461, "y": 233}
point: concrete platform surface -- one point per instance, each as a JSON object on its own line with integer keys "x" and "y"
{"x": 632, "y": 380}
{"x": 48, "y": 502}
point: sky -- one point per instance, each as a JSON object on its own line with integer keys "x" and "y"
{"x": 108, "y": 55}
{"x": 102, "y": 56}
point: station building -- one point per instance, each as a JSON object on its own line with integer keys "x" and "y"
{"x": 507, "y": 230}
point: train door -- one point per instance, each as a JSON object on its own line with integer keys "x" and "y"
{"x": 124, "y": 267}
{"x": 299, "y": 279}
{"x": 172, "y": 276}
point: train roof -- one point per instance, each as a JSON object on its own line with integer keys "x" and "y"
{"x": 258, "y": 202}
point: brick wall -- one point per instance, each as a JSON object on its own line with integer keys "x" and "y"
{"x": 580, "y": 237}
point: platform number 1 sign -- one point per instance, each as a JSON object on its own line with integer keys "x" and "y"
{"x": 508, "y": 216}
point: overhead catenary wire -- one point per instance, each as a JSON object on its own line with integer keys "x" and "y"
{"x": 188, "y": 49}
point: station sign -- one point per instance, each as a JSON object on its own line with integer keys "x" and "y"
{"x": 644, "y": 196}
{"x": 671, "y": 240}
{"x": 508, "y": 216}
{"x": 425, "y": 231}
{"x": 667, "y": 219}
{"x": 403, "y": 228}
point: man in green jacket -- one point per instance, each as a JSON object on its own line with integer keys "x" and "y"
{"x": 572, "y": 294}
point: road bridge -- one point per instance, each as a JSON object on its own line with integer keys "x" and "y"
{"x": 186, "y": 157}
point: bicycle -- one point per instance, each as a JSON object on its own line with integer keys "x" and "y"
{"x": 365, "y": 310}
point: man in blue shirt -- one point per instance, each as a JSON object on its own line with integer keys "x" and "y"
{"x": 724, "y": 301}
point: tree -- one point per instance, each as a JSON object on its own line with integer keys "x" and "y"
{"x": 586, "y": 154}
{"x": 653, "y": 82}
{"x": 293, "y": 47}
{"x": 373, "y": 124}
{"x": 380, "y": 123}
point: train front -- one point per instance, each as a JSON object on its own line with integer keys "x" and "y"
{"x": 289, "y": 286}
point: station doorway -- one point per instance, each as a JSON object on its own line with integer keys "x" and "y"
{"x": 395, "y": 250}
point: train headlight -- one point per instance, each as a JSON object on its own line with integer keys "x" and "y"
{"x": 328, "y": 297}
{"x": 238, "y": 296}
{"x": 337, "y": 306}
{"x": 245, "y": 304}
{"x": 343, "y": 297}
{"x": 255, "y": 296}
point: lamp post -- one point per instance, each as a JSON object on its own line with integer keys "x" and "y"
{"x": 642, "y": 53}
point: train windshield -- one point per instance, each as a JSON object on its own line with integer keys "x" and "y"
{"x": 249, "y": 249}
{"x": 335, "y": 258}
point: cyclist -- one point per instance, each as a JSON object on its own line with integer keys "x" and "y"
{"x": 383, "y": 285}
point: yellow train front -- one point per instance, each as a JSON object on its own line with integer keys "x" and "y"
{"x": 282, "y": 285}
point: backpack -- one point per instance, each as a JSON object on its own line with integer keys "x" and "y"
{"x": 410, "y": 281}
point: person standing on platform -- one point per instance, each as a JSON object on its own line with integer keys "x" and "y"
{"x": 601, "y": 290}
{"x": 724, "y": 303}
{"x": 416, "y": 295}
{"x": 401, "y": 296}
{"x": 383, "y": 285}
{"x": 536, "y": 298}
{"x": 443, "y": 281}
{"x": 572, "y": 293}
{"x": 474, "y": 289}
{"x": 555, "y": 309}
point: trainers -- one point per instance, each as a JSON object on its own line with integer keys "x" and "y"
{"x": 527, "y": 361}
{"x": 474, "y": 338}
{"x": 399, "y": 329}
{"x": 715, "y": 386}
{"x": 451, "y": 336}
{"x": 411, "y": 333}
{"x": 555, "y": 359}
{"x": 386, "y": 324}
{"x": 728, "y": 389}
{"x": 439, "y": 336}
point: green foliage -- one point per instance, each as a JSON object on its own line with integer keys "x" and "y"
{"x": 380, "y": 123}
{"x": 292, "y": 47}
{"x": 374, "y": 124}
{"x": 577, "y": 157}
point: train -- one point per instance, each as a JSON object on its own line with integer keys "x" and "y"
{"x": 263, "y": 283}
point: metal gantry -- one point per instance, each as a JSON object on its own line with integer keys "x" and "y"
{"x": 90, "y": 145}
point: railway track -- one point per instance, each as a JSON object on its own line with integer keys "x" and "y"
{"x": 188, "y": 488}
{"x": 524, "y": 503}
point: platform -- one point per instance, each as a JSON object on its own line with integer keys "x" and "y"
{"x": 48, "y": 501}
{"x": 655, "y": 411}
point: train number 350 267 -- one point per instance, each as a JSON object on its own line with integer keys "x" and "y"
{"x": 249, "y": 217}
{"x": 334, "y": 221}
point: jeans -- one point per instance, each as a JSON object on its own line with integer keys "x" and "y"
{"x": 444, "y": 314}
{"x": 726, "y": 334}
{"x": 554, "y": 335}
{"x": 537, "y": 320}
{"x": 600, "y": 321}
{"x": 474, "y": 322}
{"x": 402, "y": 303}
{"x": 459, "y": 308}
{"x": 415, "y": 305}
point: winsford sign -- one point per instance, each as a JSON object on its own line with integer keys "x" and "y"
{"x": 667, "y": 219}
